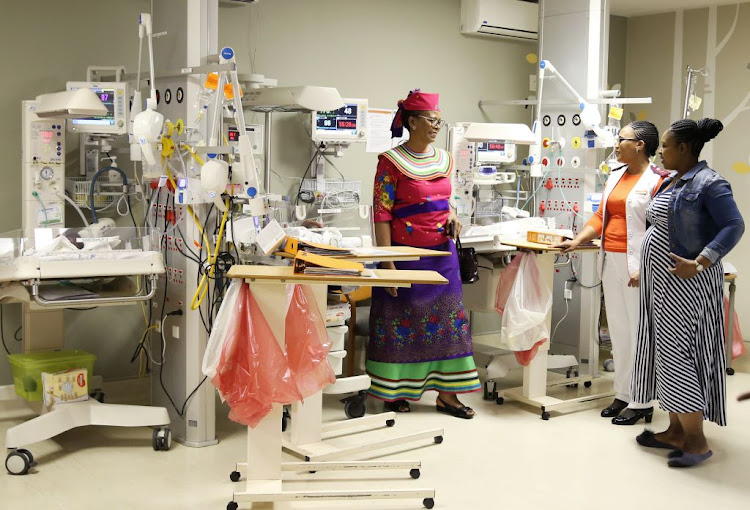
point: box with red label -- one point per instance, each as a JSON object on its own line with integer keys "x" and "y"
{"x": 544, "y": 237}
{"x": 66, "y": 386}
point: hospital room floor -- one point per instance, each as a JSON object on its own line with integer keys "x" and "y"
{"x": 506, "y": 457}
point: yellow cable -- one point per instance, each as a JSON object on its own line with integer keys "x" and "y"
{"x": 192, "y": 153}
{"x": 202, "y": 290}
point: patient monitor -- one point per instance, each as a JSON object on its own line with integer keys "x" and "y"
{"x": 342, "y": 126}
{"x": 115, "y": 97}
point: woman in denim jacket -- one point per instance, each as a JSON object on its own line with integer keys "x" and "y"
{"x": 680, "y": 356}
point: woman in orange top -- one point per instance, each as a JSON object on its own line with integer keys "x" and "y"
{"x": 621, "y": 223}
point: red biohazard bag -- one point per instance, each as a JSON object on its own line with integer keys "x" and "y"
{"x": 253, "y": 372}
{"x": 738, "y": 345}
{"x": 307, "y": 342}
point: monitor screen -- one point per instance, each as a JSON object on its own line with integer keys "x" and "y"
{"x": 491, "y": 146}
{"x": 108, "y": 98}
{"x": 342, "y": 121}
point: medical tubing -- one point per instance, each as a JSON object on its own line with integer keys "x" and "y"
{"x": 192, "y": 153}
{"x": 190, "y": 212}
{"x": 75, "y": 206}
{"x": 202, "y": 290}
{"x": 44, "y": 207}
{"x": 93, "y": 182}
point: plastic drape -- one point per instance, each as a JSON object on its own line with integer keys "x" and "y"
{"x": 307, "y": 343}
{"x": 245, "y": 362}
{"x": 253, "y": 372}
{"x": 524, "y": 300}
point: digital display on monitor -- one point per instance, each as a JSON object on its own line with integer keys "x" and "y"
{"x": 108, "y": 98}
{"x": 344, "y": 119}
{"x": 233, "y": 135}
{"x": 491, "y": 146}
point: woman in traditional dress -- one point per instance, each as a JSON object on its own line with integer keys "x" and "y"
{"x": 419, "y": 336}
{"x": 680, "y": 357}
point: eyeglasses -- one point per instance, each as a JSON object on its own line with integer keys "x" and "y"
{"x": 621, "y": 139}
{"x": 437, "y": 123}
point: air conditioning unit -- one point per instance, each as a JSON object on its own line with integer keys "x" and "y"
{"x": 514, "y": 19}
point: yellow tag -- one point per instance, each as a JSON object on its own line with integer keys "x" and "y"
{"x": 212, "y": 81}
{"x": 604, "y": 168}
{"x": 615, "y": 112}
{"x": 229, "y": 91}
{"x": 575, "y": 142}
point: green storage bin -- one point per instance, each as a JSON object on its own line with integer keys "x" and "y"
{"x": 27, "y": 369}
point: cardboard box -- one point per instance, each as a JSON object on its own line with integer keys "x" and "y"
{"x": 541, "y": 237}
{"x": 66, "y": 386}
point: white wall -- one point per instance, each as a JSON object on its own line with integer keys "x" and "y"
{"x": 373, "y": 49}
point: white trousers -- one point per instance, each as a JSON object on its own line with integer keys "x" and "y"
{"x": 622, "y": 303}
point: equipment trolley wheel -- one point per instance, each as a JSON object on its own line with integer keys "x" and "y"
{"x": 18, "y": 462}
{"x": 234, "y": 476}
{"x": 499, "y": 401}
{"x": 414, "y": 473}
{"x": 587, "y": 384}
{"x": 355, "y": 407}
{"x": 232, "y": 505}
{"x": 428, "y": 502}
{"x": 545, "y": 415}
{"x": 438, "y": 439}
{"x": 285, "y": 418}
{"x": 162, "y": 439}
{"x": 390, "y": 423}
{"x": 730, "y": 371}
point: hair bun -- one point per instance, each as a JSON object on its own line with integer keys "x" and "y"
{"x": 709, "y": 128}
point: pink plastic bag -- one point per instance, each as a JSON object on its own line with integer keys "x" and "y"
{"x": 307, "y": 343}
{"x": 738, "y": 345}
{"x": 524, "y": 300}
{"x": 253, "y": 372}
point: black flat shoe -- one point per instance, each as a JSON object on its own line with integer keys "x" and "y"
{"x": 631, "y": 416}
{"x": 614, "y": 408}
{"x": 459, "y": 412}
{"x": 397, "y": 406}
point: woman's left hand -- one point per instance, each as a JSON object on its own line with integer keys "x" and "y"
{"x": 683, "y": 268}
{"x": 453, "y": 226}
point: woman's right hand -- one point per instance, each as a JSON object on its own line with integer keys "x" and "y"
{"x": 391, "y": 291}
{"x": 568, "y": 246}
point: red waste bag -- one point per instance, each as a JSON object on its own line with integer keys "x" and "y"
{"x": 253, "y": 372}
{"x": 307, "y": 343}
{"x": 738, "y": 345}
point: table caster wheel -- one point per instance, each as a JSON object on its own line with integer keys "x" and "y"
{"x": 232, "y": 505}
{"x": 545, "y": 415}
{"x": 17, "y": 463}
{"x": 355, "y": 408}
{"x": 390, "y": 423}
{"x": 428, "y": 502}
{"x": 730, "y": 371}
{"x": 499, "y": 401}
{"x": 414, "y": 473}
{"x": 234, "y": 476}
{"x": 587, "y": 384}
{"x": 438, "y": 439}
{"x": 162, "y": 439}
{"x": 23, "y": 451}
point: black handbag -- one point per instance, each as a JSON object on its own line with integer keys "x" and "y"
{"x": 467, "y": 262}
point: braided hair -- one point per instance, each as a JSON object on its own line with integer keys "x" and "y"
{"x": 648, "y": 134}
{"x": 695, "y": 134}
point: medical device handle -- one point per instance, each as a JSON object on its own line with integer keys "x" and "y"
{"x": 67, "y": 303}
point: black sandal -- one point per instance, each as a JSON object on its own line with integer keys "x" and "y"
{"x": 398, "y": 406}
{"x": 458, "y": 412}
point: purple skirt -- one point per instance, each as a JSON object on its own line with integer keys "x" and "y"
{"x": 424, "y": 322}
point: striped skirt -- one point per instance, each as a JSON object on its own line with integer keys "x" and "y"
{"x": 680, "y": 357}
{"x": 420, "y": 340}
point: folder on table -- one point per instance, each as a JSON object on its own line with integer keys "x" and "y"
{"x": 311, "y": 263}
